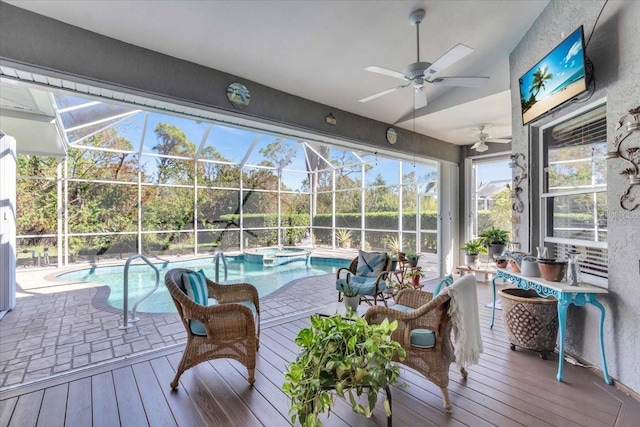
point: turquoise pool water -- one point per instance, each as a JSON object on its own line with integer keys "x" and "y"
{"x": 266, "y": 279}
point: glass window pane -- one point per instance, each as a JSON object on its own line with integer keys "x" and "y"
{"x": 339, "y": 158}
{"x": 582, "y": 166}
{"x": 259, "y": 202}
{"x": 176, "y": 243}
{"x": 272, "y": 151}
{"x": 96, "y": 207}
{"x": 378, "y": 240}
{"x": 102, "y": 165}
{"x": 409, "y": 206}
{"x": 228, "y": 144}
{"x": 36, "y": 251}
{"x": 100, "y": 248}
{"x": 215, "y": 208}
{"x": 225, "y": 240}
{"x": 260, "y": 238}
{"x": 322, "y": 237}
{"x": 348, "y": 208}
{"x": 167, "y": 208}
{"x": 382, "y": 172}
{"x": 173, "y": 136}
{"x": 295, "y": 181}
{"x": 295, "y": 204}
{"x": 262, "y": 179}
{"x": 36, "y": 206}
{"x": 418, "y": 172}
{"x": 580, "y": 216}
{"x": 218, "y": 175}
{"x": 36, "y": 166}
{"x": 318, "y": 156}
{"x": 493, "y": 204}
{"x": 165, "y": 170}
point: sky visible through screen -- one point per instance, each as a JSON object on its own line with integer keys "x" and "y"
{"x": 231, "y": 143}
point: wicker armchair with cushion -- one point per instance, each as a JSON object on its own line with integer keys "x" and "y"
{"x": 367, "y": 274}
{"x": 228, "y": 326}
{"x": 424, "y": 330}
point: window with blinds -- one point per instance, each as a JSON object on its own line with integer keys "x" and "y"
{"x": 574, "y": 190}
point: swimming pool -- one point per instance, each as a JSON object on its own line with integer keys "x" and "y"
{"x": 266, "y": 279}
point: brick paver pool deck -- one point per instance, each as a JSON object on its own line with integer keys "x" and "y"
{"x": 57, "y": 327}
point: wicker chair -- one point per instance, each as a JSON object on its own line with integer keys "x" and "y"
{"x": 425, "y": 313}
{"x": 377, "y": 284}
{"x": 231, "y": 329}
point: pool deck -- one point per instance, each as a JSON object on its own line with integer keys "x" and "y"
{"x": 57, "y": 327}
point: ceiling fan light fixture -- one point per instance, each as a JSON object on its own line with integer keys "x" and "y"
{"x": 481, "y": 148}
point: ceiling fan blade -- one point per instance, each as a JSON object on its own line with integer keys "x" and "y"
{"x": 386, "y": 72}
{"x": 499, "y": 140}
{"x": 454, "y": 55}
{"x": 476, "y": 145}
{"x": 384, "y": 92}
{"x": 460, "y": 81}
{"x": 419, "y": 98}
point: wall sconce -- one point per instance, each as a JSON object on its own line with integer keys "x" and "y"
{"x": 630, "y": 152}
{"x": 330, "y": 119}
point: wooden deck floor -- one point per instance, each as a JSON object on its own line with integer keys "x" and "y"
{"x": 506, "y": 388}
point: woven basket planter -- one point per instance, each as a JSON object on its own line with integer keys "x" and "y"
{"x": 530, "y": 321}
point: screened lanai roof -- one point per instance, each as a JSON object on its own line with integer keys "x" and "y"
{"x": 81, "y": 112}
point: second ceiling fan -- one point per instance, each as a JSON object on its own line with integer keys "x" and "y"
{"x": 419, "y": 73}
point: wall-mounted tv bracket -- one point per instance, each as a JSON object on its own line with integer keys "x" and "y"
{"x": 628, "y": 149}
{"x": 517, "y": 162}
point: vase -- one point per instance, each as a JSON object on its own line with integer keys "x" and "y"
{"x": 352, "y": 302}
{"x": 470, "y": 260}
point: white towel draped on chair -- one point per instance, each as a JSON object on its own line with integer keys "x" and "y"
{"x": 465, "y": 320}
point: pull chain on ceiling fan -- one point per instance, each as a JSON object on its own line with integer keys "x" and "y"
{"x": 419, "y": 73}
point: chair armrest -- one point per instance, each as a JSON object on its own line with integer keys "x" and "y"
{"x": 340, "y": 270}
{"x": 413, "y": 298}
{"x": 221, "y": 320}
{"x": 236, "y": 292}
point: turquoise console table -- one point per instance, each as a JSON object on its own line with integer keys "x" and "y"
{"x": 565, "y": 294}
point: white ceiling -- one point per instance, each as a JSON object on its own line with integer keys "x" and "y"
{"x": 318, "y": 49}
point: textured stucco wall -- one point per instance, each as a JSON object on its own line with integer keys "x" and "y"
{"x": 614, "y": 50}
{"x": 39, "y": 44}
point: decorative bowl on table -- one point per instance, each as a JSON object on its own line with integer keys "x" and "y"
{"x": 552, "y": 270}
{"x": 501, "y": 263}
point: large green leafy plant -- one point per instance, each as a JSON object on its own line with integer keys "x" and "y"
{"x": 341, "y": 356}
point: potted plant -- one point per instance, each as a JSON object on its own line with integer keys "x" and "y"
{"x": 413, "y": 258}
{"x": 344, "y": 237}
{"x": 414, "y": 275}
{"x": 341, "y": 356}
{"x": 351, "y": 296}
{"x": 495, "y": 239}
{"x": 471, "y": 250}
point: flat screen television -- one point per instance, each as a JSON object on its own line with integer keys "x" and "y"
{"x": 559, "y": 77}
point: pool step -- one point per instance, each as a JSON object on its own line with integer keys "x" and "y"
{"x": 268, "y": 260}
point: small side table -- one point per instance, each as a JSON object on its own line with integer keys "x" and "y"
{"x": 566, "y": 295}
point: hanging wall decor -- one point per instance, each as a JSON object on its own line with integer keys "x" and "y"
{"x": 238, "y": 95}
{"x": 628, "y": 149}
{"x": 517, "y": 162}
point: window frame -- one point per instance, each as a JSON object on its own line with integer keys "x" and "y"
{"x": 546, "y": 198}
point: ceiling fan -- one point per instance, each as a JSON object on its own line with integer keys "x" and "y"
{"x": 419, "y": 73}
{"x": 482, "y": 138}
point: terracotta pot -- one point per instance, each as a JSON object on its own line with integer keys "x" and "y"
{"x": 552, "y": 270}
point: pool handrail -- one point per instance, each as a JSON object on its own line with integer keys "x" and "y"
{"x": 218, "y": 256}
{"x": 125, "y": 308}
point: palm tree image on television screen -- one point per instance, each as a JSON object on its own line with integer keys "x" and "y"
{"x": 557, "y": 78}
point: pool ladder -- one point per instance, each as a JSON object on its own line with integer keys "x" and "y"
{"x": 125, "y": 309}
{"x": 219, "y": 255}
